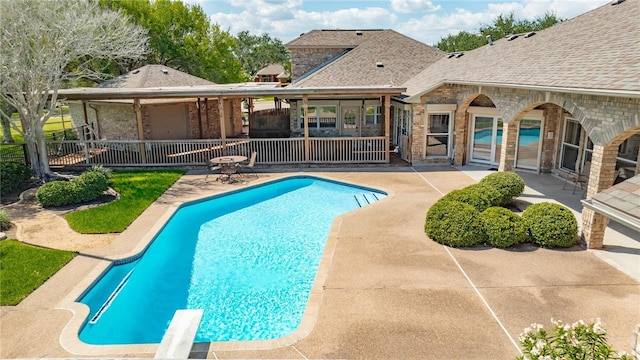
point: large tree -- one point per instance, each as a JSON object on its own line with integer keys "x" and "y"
{"x": 502, "y": 26}
{"x": 182, "y": 37}
{"x": 257, "y": 51}
{"x": 40, "y": 40}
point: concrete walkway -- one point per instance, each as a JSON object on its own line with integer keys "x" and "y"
{"x": 388, "y": 290}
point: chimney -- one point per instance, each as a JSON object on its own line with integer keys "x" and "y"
{"x": 489, "y": 39}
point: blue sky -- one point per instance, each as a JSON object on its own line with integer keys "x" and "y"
{"x": 424, "y": 20}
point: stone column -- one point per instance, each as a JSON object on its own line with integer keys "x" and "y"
{"x": 601, "y": 177}
{"x": 461, "y": 126}
{"x": 508, "y": 148}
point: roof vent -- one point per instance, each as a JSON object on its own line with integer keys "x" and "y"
{"x": 451, "y": 55}
{"x": 358, "y": 32}
{"x": 512, "y": 37}
{"x": 616, "y": 2}
{"x": 135, "y": 71}
{"x": 530, "y": 34}
{"x": 379, "y": 64}
{"x": 165, "y": 71}
{"x": 459, "y": 54}
{"x": 489, "y": 39}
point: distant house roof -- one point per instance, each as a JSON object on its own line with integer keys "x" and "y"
{"x": 372, "y": 57}
{"x": 596, "y": 51}
{"x": 150, "y": 76}
{"x": 273, "y": 69}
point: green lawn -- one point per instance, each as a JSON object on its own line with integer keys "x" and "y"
{"x": 23, "y": 268}
{"x": 54, "y": 124}
{"x": 137, "y": 189}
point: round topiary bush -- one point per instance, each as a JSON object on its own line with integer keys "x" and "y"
{"x": 551, "y": 225}
{"x": 55, "y": 193}
{"x": 503, "y": 227}
{"x": 13, "y": 176}
{"x": 90, "y": 185}
{"x": 480, "y": 196}
{"x": 509, "y": 184}
{"x": 454, "y": 223}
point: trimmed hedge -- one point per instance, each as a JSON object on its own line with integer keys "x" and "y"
{"x": 503, "y": 228}
{"x": 551, "y": 225}
{"x": 89, "y": 186}
{"x": 454, "y": 223}
{"x": 480, "y": 196}
{"x": 13, "y": 176}
{"x": 509, "y": 184}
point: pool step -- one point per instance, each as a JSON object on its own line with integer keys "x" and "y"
{"x": 365, "y": 199}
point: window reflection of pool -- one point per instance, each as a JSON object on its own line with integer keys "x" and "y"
{"x": 527, "y": 136}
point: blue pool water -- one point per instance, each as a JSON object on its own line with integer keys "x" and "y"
{"x": 248, "y": 259}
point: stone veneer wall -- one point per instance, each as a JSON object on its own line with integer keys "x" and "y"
{"x": 304, "y": 60}
{"x": 111, "y": 121}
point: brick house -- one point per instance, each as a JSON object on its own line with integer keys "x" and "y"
{"x": 561, "y": 100}
{"x": 272, "y": 73}
{"x": 156, "y": 119}
{"x": 353, "y": 58}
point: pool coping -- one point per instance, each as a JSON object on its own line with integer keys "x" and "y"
{"x": 70, "y": 341}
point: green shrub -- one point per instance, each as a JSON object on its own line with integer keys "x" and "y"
{"x": 55, "y": 193}
{"x": 480, "y": 196}
{"x": 503, "y": 227}
{"x": 5, "y": 219}
{"x": 13, "y": 176}
{"x": 87, "y": 187}
{"x": 551, "y": 225}
{"x": 90, "y": 185}
{"x": 509, "y": 184}
{"x": 454, "y": 223}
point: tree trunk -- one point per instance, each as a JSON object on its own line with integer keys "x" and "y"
{"x": 7, "y": 138}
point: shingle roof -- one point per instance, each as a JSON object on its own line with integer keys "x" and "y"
{"x": 272, "y": 69}
{"x": 597, "y": 50}
{"x": 343, "y": 39}
{"x": 150, "y": 76}
{"x": 378, "y": 57}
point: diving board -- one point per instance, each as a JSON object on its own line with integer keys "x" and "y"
{"x": 178, "y": 340}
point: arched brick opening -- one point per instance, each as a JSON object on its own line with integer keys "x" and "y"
{"x": 462, "y": 122}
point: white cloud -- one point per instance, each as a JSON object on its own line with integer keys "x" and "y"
{"x": 294, "y": 21}
{"x": 287, "y": 19}
{"x": 413, "y": 6}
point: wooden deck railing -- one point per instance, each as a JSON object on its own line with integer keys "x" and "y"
{"x": 198, "y": 152}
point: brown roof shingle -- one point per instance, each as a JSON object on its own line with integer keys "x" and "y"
{"x": 381, "y": 57}
{"x": 597, "y": 50}
{"x": 150, "y": 76}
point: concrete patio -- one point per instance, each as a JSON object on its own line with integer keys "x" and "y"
{"x": 386, "y": 290}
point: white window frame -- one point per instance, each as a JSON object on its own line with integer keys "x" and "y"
{"x": 440, "y": 109}
{"x": 317, "y": 117}
{"x": 377, "y": 115}
{"x": 573, "y": 146}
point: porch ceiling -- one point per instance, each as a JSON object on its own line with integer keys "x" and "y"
{"x": 226, "y": 90}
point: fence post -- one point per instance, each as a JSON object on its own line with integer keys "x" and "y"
{"x": 86, "y": 152}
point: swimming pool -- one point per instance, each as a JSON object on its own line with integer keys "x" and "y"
{"x": 248, "y": 258}
{"x": 525, "y": 136}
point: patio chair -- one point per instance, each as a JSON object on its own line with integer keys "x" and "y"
{"x": 250, "y": 164}
{"x": 581, "y": 178}
{"x": 212, "y": 167}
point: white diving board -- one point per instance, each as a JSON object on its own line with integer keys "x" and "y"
{"x": 178, "y": 340}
